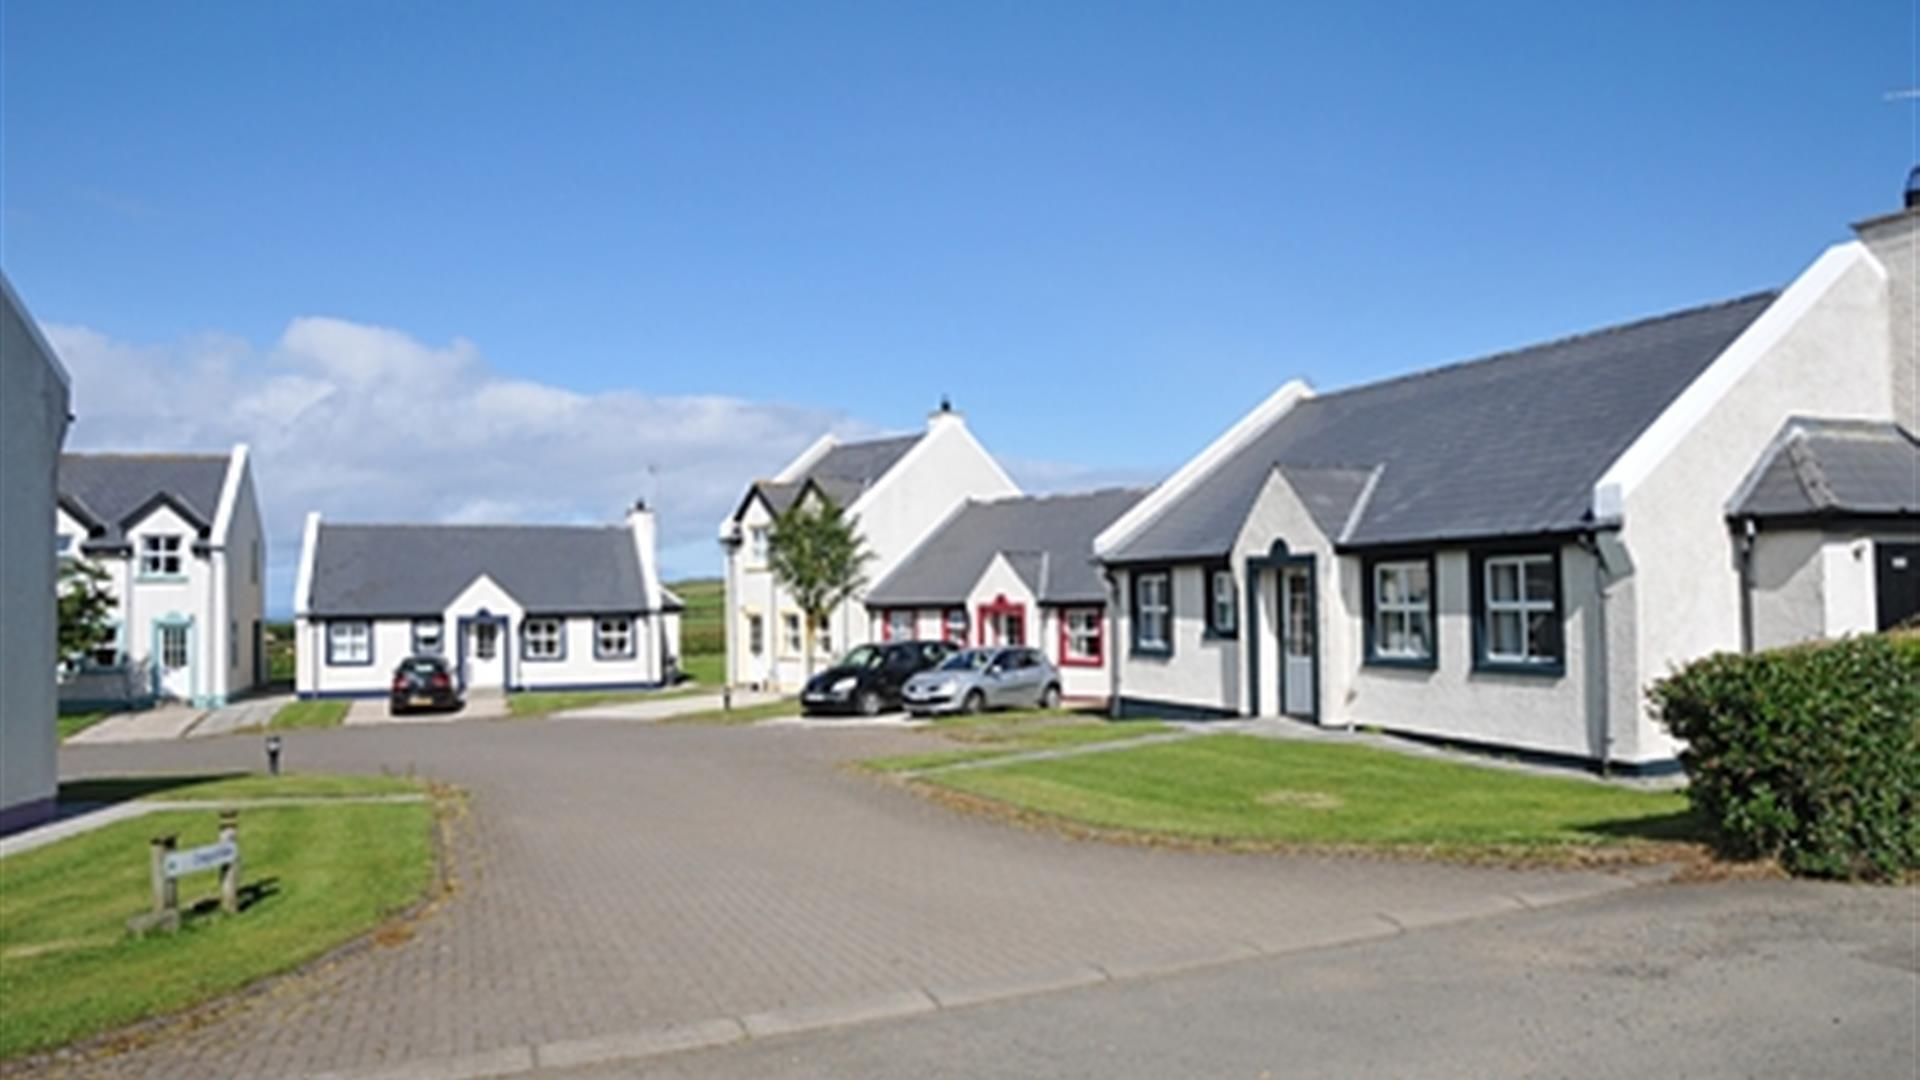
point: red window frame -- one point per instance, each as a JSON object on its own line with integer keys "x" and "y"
{"x": 1099, "y": 657}
{"x": 886, "y": 622}
{"x": 946, "y": 626}
{"x": 1000, "y": 606}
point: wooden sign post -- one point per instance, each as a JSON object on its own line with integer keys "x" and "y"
{"x": 167, "y": 865}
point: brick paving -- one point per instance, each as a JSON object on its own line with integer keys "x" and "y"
{"x": 615, "y": 877}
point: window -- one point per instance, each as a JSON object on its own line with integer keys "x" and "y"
{"x": 1223, "y": 607}
{"x": 756, "y": 635}
{"x": 823, "y": 637}
{"x": 160, "y": 555}
{"x": 1519, "y": 616}
{"x": 543, "y": 639}
{"x": 899, "y": 626}
{"x": 350, "y": 643}
{"x": 613, "y": 637}
{"x": 1400, "y": 599}
{"x": 108, "y": 654}
{"x": 486, "y": 640}
{"x": 955, "y": 626}
{"x": 790, "y": 640}
{"x": 428, "y": 637}
{"x": 1153, "y": 612}
{"x": 173, "y": 646}
{"x": 757, "y": 545}
{"x": 64, "y": 543}
{"x": 1080, "y": 637}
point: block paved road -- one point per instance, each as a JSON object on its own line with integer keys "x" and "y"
{"x": 616, "y": 878}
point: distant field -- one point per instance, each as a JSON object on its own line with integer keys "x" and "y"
{"x": 703, "y": 638}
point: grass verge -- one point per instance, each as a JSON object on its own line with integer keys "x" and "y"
{"x": 995, "y": 735}
{"x": 71, "y": 724}
{"x": 527, "y": 703}
{"x": 1241, "y": 791}
{"x": 310, "y": 714}
{"x": 315, "y": 877}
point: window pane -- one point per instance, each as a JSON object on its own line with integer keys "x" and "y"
{"x": 1419, "y": 635}
{"x": 1389, "y": 585}
{"x": 1540, "y": 579}
{"x": 1540, "y": 645}
{"x": 1504, "y": 580}
{"x": 1393, "y": 632}
{"x": 1504, "y": 634}
{"x": 1417, "y": 584}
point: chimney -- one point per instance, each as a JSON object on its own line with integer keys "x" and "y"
{"x": 1894, "y": 240}
{"x": 646, "y": 544}
{"x": 944, "y": 415}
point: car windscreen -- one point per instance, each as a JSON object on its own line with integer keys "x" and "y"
{"x": 970, "y": 660}
{"x": 866, "y": 656}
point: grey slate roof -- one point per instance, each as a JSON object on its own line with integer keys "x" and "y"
{"x": 842, "y": 474}
{"x": 375, "y": 570}
{"x": 1506, "y": 445}
{"x": 1048, "y": 540}
{"x": 1821, "y": 466}
{"x": 107, "y": 490}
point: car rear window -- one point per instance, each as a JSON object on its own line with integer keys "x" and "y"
{"x": 424, "y": 666}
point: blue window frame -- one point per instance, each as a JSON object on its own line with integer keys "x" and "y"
{"x": 1151, "y": 619}
{"x": 349, "y": 643}
{"x": 543, "y": 639}
{"x": 1517, "y": 612}
{"x": 1401, "y": 627}
{"x": 613, "y": 637}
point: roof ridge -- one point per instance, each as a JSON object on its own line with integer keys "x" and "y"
{"x": 608, "y": 526}
{"x": 150, "y": 455}
{"x": 1521, "y": 352}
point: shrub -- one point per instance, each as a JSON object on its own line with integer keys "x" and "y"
{"x": 1810, "y": 755}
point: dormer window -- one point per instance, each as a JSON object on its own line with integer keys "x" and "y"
{"x": 160, "y": 556}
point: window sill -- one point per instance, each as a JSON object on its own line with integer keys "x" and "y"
{"x": 1081, "y": 663}
{"x": 1402, "y": 663}
{"x": 1210, "y": 634}
{"x": 160, "y": 579}
{"x": 1547, "y": 670}
{"x": 1146, "y": 652}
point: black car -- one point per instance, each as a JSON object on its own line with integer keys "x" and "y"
{"x": 423, "y": 682}
{"x": 867, "y": 681}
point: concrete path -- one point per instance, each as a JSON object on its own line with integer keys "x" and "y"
{"x": 246, "y": 713}
{"x": 377, "y": 711}
{"x": 666, "y": 707}
{"x": 149, "y": 725}
{"x": 625, "y": 886}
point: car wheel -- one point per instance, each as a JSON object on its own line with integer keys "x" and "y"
{"x": 1050, "y": 698}
{"x": 975, "y": 703}
{"x": 868, "y": 703}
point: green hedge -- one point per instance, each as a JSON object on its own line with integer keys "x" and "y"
{"x": 1810, "y": 755}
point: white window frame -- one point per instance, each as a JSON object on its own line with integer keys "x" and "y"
{"x": 1523, "y": 606}
{"x": 349, "y": 643}
{"x": 1410, "y": 610}
{"x": 823, "y": 637}
{"x": 613, "y": 637}
{"x": 543, "y": 638}
{"x": 792, "y": 633}
{"x": 756, "y": 633}
{"x": 757, "y": 544}
{"x": 1156, "y": 612}
{"x": 160, "y": 556}
{"x": 433, "y": 642}
{"x": 1083, "y": 636}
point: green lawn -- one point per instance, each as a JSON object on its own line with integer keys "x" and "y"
{"x": 993, "y": 735}
{"x": 708, "y": 670}
{"x": 310, "y": 714}
{"x": 1237, "y": 789}
{"x": 544, "y": 702}
{"x": 71, "y": 724}
{"x": 314, "y": 877}
{"x": 703, "y": 636}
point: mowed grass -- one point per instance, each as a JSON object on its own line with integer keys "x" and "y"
{"x": 1241, "y": 790}
{"x": 708, "y": 670}
{"x": 310, "y": 714}
{"x": 71, "y": 724}
{"x": 994, "y": 735}
{"x": 703, "y": 633}
{"x": 313, "y": 878}
{"x": 546, "y": 702}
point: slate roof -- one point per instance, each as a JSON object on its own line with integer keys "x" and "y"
{"x": 842, "y": 474}
{"x": 390, "y": 570}
{"x": 1819, "y": 466}
{"x": 1511, "y": 444}
{"x": 107, "y": 491}
{"x": 1048, "y": 540}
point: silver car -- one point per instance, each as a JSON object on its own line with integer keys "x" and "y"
{"x": 975, "y": 680}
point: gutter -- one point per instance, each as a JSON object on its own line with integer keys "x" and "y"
{"x": 1590, "y": 542}
{"x": 1743, "y": 548}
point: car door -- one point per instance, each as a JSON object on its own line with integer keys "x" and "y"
{"x": 902, "y": 662}
{"x": 999, "y": 678}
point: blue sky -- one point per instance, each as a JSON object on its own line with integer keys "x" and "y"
{"x": 1106, "y": 230}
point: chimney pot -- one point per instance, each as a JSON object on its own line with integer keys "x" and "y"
{"x": 1913, "y": 188}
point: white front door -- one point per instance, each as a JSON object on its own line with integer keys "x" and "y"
{"x": 1296, "y": 641}
{"x": 485, "y": 654}
{"x": 173, "y": 659}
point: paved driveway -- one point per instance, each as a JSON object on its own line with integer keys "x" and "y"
{"x": 618, "y": 880}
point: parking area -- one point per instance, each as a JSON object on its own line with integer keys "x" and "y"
{"x": 614, "y": 878}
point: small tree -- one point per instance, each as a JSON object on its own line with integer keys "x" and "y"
{"x": 818, "y": 556}
{"x": 86, "y": 610}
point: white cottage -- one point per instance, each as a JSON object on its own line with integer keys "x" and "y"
{"x": 1013, "y": 571}
{"x": 514, "y": 607}
{"x": 34, "y": 396}
{"x": 1508, "y": 551}
{"x": 896, "y": 490}
{"x": 180, "y": 539}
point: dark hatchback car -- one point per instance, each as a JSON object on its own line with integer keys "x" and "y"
{"x": 867, "y": 681}
{"x": 423, "y": 682}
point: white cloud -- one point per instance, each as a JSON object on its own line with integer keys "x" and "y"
{"x": 367, "y": 423}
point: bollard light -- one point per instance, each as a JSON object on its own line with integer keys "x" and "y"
{"x": 273, "y": 755}
{"x": 726, "y": 698}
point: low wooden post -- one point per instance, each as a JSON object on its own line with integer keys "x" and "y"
{"x": 166, "y": 892}
{"x": 230, "y": 873}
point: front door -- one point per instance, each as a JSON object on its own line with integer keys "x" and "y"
{"x": 1896, "y": 583}
{"x": 1296, "y": 641}
{"x": 173, "y": 659}
{"x": 484, "y": 654}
